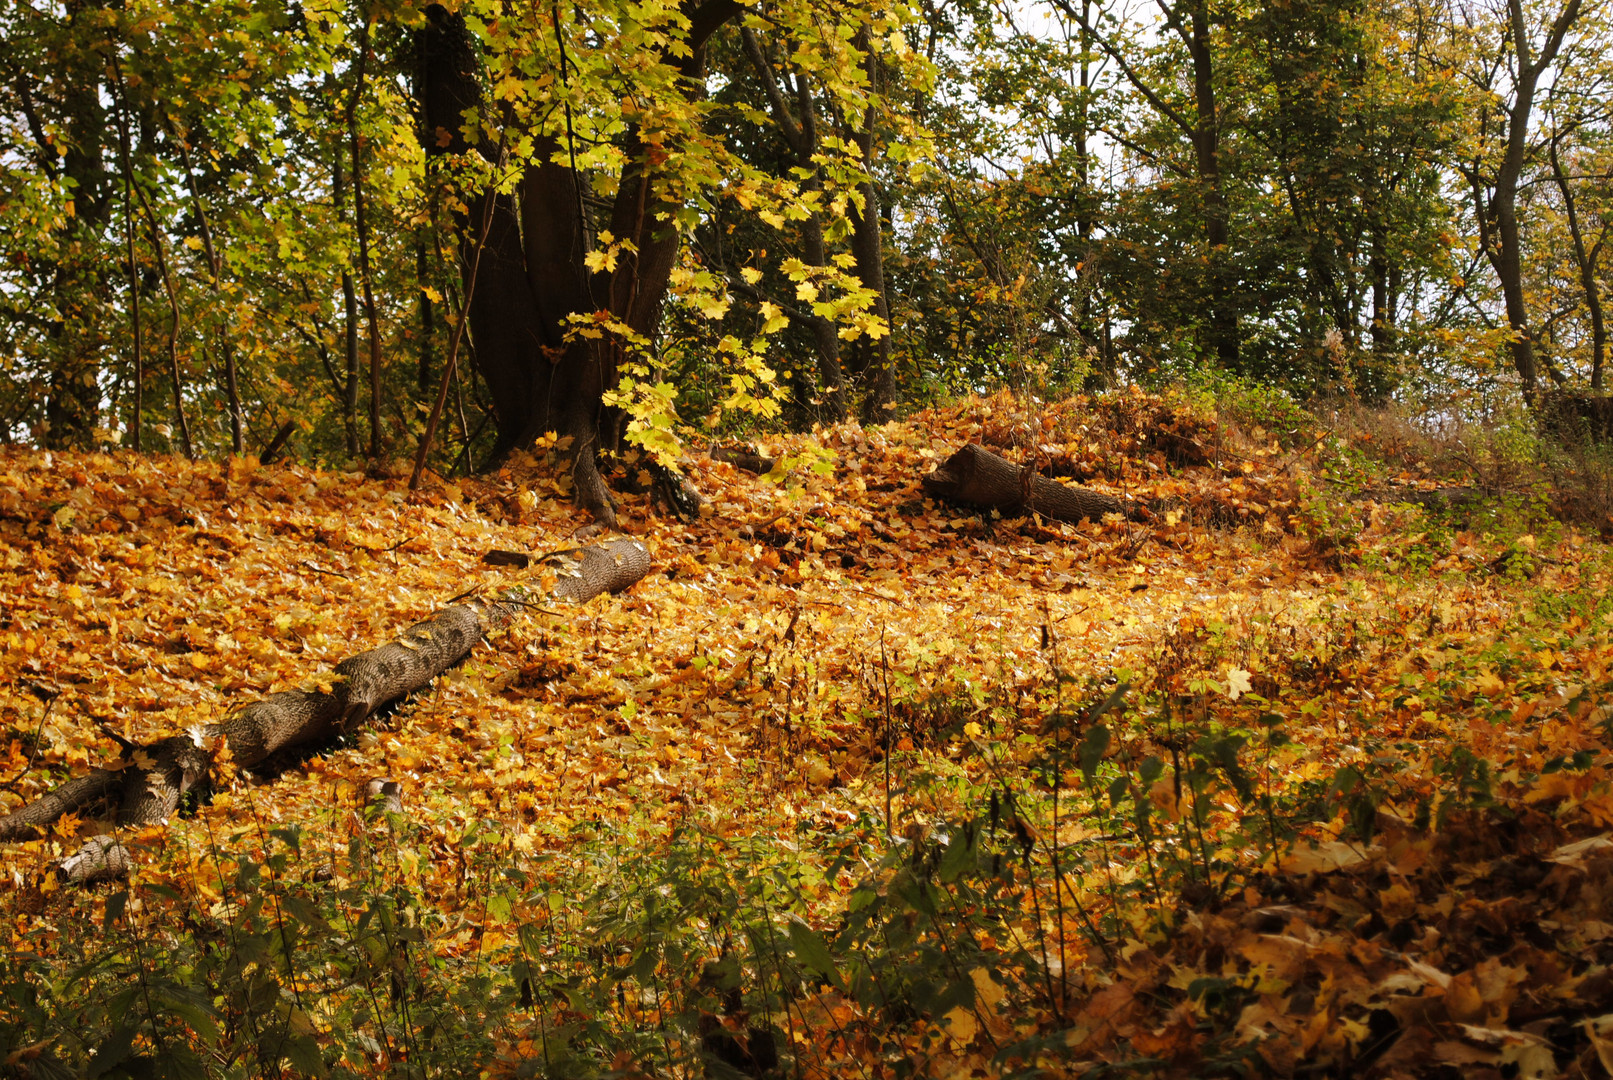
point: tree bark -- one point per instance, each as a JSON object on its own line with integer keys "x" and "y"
{"x": 533, "y": 273}
{"x": 976, "y": 476}
{"x": 361, "y": 225}
{"x": 800, "y": 133}
{"x": 73, "y": 401}
{"x": 868, "y": 246}
{"x": 1207, "y": 155}
{"x": 743, "y": 458}
{"x": 607, "y": 567}
{"x": 427, "y": 321}
{"x": 148, "y": 784}
{"x": 349, "y": 387}
{"x": 1585, "y": 260}
{"x": 215, "y": 272}
{"x": 1190, "y": 19}
{"x": 159, "y": 249}
{"x": 125, "y": 160}
{"x": 1506, "y": 253}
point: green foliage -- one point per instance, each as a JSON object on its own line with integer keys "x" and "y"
{"x": 1262, "y": 410}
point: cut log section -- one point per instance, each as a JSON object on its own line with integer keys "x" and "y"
{"x": 744, "y": 458}
{"x": 584, "y": 573}
{"x": 977, "y": 477}
{"x": 383, "y": 796}
{"x": 147, "y": 785}
{"x": 607, "y": 567}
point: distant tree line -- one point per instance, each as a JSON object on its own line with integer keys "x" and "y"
{"x": 226, "y": 220}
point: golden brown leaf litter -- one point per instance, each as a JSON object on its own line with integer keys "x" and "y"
{"x": 735, "y": 682}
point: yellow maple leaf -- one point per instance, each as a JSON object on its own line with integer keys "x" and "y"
{"x": 1237, "y": 683}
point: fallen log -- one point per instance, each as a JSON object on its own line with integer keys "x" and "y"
{"x": 977, "y": 477}
{"x": 744, "y": 458}
{"x": 584, "y": 573}
{"x": 609, "y": 567}
{"x": 149, "y": 782}
{"x": 1435, "y": 499}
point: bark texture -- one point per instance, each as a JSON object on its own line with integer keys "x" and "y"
{"x": 744, "y": 458}
{"x": 149, "y": 783}
{"x": 599, "y": 568}
{"x": 976, "y": 476}
{"x": 525, "y": 255}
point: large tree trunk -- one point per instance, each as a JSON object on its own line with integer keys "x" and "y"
{"x": 531, "y": 271}
{"x": 976, "y": 476}
{"x": 148, "y": 785}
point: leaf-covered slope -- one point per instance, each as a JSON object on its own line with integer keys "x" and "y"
{"x": 817, "y": 652}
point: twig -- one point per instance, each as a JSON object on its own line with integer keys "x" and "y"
{"x": 529, "y": 604}
{"x": 124, "y": 744}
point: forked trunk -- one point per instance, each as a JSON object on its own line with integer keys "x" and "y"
{"x": 531, "y": 273}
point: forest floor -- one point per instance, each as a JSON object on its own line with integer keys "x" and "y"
{"x": 1275, "y": 781}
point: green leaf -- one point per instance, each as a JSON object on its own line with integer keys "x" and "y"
{"x": 809, "y": 948}
{"x": 1091, "y": 751}
{"x": 498, "y": 908}
{"x": 1225, "y": 753}
{"x": 111, "y": 1053}
{"x": 960, "y": 855}
{"x": 1111, "y": 701}
{"x": 303, "y": 1054}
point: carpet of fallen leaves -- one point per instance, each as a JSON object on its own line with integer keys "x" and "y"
{"x": 736, "y": 684}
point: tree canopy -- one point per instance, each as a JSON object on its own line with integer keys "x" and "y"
{"x": 618, "y": 224}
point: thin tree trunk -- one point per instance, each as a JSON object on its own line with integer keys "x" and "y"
{"x": 802, "y": 138}
{"x": 173, "y": 324}
{"x": 1383, "y": 312}
{"x": 1508, "y": 259}
{"x": 126, "y": 160}
{"x": 1203, "y": 132}
{"x": 1086, "y": 332}
{"x": 1207, "y": 154}
{"x": 349, "y": 303}
{"x": 215, "y": 266}
{"x": 422, "y": 272}
{"x": 453, "y": 346}
{"x": 868, "y": 247}
{"x": 362, "y": 224}
{"x": 1585, "y": 260}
